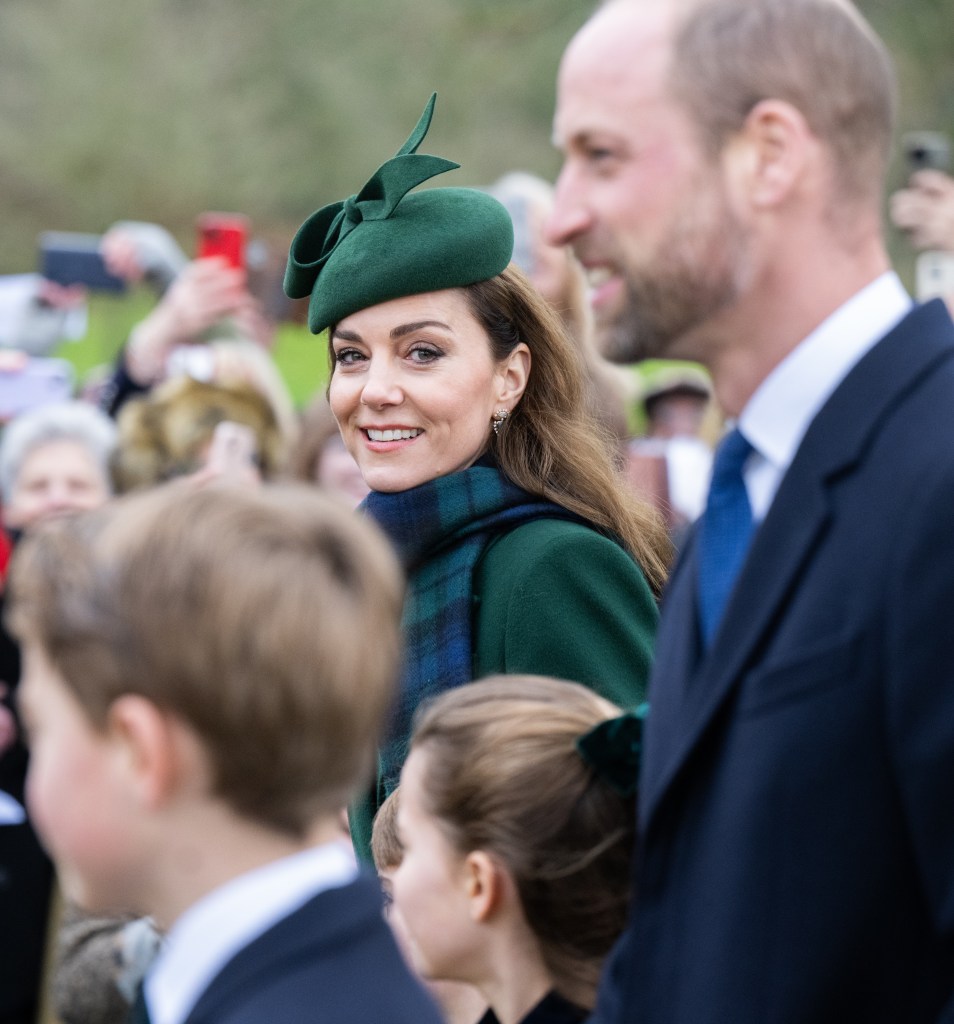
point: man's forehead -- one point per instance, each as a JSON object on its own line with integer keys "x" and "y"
{"x": 633, "y": 27}
{"x": 615, "y": 65}
{"x": 622, "y": 45}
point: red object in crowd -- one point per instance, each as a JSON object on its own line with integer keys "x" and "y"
{"x": 6, "y": 550}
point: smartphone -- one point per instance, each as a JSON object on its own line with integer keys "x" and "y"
{"x": 195, "y": 361}
{"x": 233, "y": 448}
{"x": 927, "y": 151}
{"x": 223, "y": 234}
{"x": 38, "y": 381}
{"x": 73, "y": 258}
{"x": 934, "y": 276}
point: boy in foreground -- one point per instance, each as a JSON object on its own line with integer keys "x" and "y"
{"x": 206, "y": 674}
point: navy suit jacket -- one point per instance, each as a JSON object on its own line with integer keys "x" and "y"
{"x": 333, "y": 961}
{"x": 796, "y": 811}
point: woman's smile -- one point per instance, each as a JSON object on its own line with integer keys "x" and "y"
{"x": 392, "y": 433}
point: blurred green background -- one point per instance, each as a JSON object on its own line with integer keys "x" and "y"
{"x": 159, "y": 109}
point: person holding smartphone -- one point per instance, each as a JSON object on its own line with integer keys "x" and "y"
{"x": 924, "y": 211}
{"x": 204, "y": 299}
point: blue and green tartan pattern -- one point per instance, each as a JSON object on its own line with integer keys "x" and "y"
{"x": 440, "y": 529}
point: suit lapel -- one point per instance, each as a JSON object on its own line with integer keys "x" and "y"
{"x": 318, "y": 926}
{"x": 689, "y": 687}
{"x": 686, "y": 692}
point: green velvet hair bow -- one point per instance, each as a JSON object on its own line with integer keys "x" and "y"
{"x": 614, "y": 748}
{"x": 382, "y": 244}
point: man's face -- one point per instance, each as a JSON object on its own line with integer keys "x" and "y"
{"x": 644, "y": 208}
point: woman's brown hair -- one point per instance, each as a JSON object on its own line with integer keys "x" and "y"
{"x": 502, "y": 774}
{"x": 550, "y": 445}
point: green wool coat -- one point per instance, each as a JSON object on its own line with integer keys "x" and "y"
{"x": 559, "y": 599}
{"x": 556, "y": 598}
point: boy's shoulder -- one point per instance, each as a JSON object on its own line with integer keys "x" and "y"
{"x": 333, "y": 959}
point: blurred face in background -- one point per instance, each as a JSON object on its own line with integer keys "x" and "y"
{"x": 336, "y": 470}
{"x": 55, "y": 478}
{"x": 553, "y": 269}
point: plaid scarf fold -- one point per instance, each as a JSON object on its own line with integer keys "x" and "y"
{"x": 440, "y": 529}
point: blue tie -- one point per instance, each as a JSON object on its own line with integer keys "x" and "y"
{"x": 725, "y": 531}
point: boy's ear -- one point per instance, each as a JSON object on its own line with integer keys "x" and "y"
{"x": 485, "y": 883}
{"x": 148, "y": 747}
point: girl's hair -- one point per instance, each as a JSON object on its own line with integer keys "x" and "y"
{"x": 502, "y": 774}
{"x": 550, "y": 445}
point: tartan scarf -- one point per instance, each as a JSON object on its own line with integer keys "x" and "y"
{"x": 440, "y": 529}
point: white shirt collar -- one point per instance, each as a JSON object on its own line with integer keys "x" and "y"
{"x": 783, "y": 406}
{"x": 226, "y": 920}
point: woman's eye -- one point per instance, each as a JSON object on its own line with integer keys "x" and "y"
{"x": 348, "y": 356}
{"x": 424, "y": 354}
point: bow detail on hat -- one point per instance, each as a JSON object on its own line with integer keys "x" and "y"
{"x": 613, "y": 749}
{"x": 318, "y": 237}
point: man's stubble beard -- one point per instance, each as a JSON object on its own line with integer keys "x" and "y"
{"x": 700, "y": 270}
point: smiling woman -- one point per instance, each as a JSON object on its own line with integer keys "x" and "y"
{"x": 415, "y": 387}
{"x": 462, "y": 400}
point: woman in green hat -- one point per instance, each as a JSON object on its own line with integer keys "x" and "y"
{"x": 462, "y": 400}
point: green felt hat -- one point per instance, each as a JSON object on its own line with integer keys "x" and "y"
{"x": 383, "y": 244}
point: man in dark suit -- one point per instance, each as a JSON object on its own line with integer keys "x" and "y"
{"x": 724, "y": 167}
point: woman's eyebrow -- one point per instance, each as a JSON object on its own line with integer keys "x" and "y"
{"x": 346, "y": 335}
{"x": 399, "y": 332}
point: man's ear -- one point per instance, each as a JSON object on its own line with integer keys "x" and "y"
{"x": 768, "y": 158}
{"x": 485, "y": 881}
{"x": 513, "y": 372}
{"x": 148, "y": 748}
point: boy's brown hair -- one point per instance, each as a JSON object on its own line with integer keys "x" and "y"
{"x": 267, "y": 620}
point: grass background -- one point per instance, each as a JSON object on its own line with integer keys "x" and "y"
{"x": 159, "y": 109}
